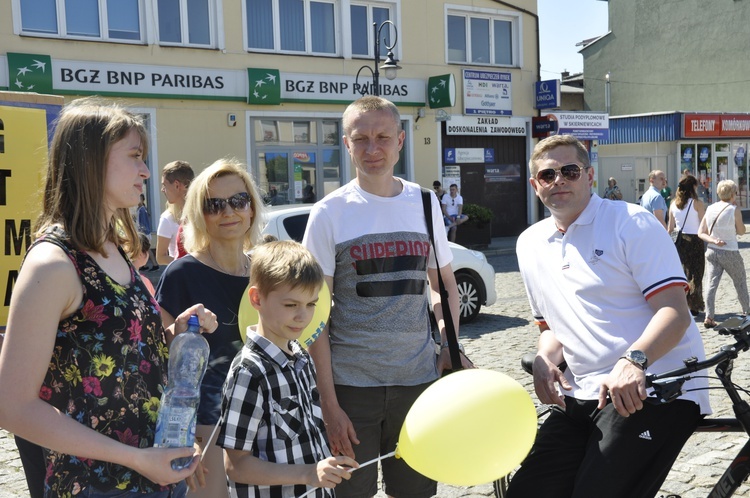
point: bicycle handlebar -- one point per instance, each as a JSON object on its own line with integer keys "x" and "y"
{"x": 668, "y": 385}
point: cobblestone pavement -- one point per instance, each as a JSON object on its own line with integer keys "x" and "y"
{"x": 496, "y": 340}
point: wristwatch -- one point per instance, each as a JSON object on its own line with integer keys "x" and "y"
{"x": 636, "y": 357}
{"x": 460, "y": 347}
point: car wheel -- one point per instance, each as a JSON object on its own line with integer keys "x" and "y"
{"x": 469, "y": 297}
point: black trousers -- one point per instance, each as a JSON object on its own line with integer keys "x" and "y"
{"x": 34, "y": 466}
{"x": 582, "y": 452}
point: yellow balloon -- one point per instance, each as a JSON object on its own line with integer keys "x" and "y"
{"x": 249, "y": 316}
{"x": 468, "y": 428}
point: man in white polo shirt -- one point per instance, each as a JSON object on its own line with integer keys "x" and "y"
{"x": 607, "y": 290}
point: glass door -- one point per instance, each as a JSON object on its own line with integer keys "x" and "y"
{"x": 721, "y": 172}
{"x": 739, "y": 153}
{"x": 704, "y": 173}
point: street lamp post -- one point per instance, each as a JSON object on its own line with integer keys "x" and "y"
{"x": 607, "y": 95}
{"x": 389, "y": 67}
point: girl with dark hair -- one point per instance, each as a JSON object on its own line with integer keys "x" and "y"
{"x": 685, "y": 214}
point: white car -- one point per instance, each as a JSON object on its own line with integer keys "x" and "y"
{"x": 474, "y": 275}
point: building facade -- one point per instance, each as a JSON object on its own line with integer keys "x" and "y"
{"x": 673, "y": 79}
{"x": 266, "y": 81}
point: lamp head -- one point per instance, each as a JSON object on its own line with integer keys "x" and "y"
{"x": 390, "y": 67}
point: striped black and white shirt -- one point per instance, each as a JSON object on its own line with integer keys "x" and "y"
{"x": 271, "y": 409}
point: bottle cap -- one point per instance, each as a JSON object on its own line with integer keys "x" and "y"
{"x": 193, "y": 321}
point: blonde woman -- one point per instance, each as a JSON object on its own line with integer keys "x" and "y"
{"x": 222, "y": 220}
{"x": 719, "y": 228}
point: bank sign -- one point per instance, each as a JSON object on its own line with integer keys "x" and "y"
{"x": 547, "y": 94}
{"x": 258, "y": 86}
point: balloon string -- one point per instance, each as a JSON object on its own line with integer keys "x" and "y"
{"x": 381, "y": 457}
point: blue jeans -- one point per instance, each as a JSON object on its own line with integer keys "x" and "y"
{"x": 179, "y": 491}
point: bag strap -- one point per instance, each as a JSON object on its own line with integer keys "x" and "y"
{"x": 450, "y": 329}
{"x": 717, "y": 219}
{"x": 687, "y": 211}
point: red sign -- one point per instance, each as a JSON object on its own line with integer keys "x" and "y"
{"x": 715, "y": 125}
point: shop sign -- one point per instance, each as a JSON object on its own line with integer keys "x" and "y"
{"x": 486, "y": 125}
{"x": 498, "y": 173}
{"x": 582, "y": 125}
{"x": 468, "y": 156}
{"x": 542, "y": 126}
{"x": 487, "y": 93}
{"x": 715, "y": 125}
{"x": 547, "y": 94}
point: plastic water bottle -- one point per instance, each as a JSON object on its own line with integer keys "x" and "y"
{"x": 175, "y": 425}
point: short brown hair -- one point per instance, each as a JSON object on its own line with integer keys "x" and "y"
{"x": 180, "y": 171}
{"x": 85, "y": 132}
{"x": 549, "y": 143}
{"x": 284, "y": 262}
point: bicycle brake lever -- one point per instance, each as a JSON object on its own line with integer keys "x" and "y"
{"x": 667, "y": 390}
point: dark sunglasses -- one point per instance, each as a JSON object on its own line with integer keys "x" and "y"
{"x": 569, "y": 172}
{"x": 214, "y": 205}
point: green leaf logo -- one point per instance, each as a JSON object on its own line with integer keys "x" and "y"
{"x": 264, "y": 86}
{"x": 441, "y": 91}
{"x": 29, "y": 73}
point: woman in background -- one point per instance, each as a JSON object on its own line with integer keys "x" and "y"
{"x": 719, "y": 228}
{"x": 686, "y": 213}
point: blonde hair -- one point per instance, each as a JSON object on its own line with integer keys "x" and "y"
{"x": 726, "y": 189}
{"x": 195, "y": 235}
{"x": 284, "y": 262}
{"x": 366, "y": 104}
{"x": 74, "y": 193}
{"x": 546, "y": 145}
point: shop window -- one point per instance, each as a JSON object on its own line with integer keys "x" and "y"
{"x": 105, "y": 20}
{"x": 293, "y": 26}
{"x": 482, "y": 37}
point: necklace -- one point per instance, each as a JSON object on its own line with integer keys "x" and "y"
{"x": 219, "y": 267}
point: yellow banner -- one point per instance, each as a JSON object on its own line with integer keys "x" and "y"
{"x": 23, "y": 159}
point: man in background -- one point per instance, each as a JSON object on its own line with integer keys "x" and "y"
{"x": 652, "y": 201}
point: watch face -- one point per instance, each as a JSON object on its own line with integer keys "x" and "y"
{"x": 637, "y": 356}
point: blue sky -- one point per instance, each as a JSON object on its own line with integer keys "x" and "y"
{"x": 562, "y": 24}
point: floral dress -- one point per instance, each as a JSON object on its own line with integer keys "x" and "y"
{"x": 107, "y": 371}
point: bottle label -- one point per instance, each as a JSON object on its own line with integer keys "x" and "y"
{"x": 177, "y": 429}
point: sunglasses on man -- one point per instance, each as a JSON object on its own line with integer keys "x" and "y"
{"x": 569, "y": 172}
{"x": 215, "y": 205}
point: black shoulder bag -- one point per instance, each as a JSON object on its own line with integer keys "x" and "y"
{"x": 678, "y": 240}
{"x": 450, "y": 329}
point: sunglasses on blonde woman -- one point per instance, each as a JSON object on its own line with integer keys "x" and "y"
{"x": 569, "y": 172}
{"x": 215, "y": 205}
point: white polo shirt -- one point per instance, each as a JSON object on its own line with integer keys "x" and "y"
{"x": 591, "y": 285}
